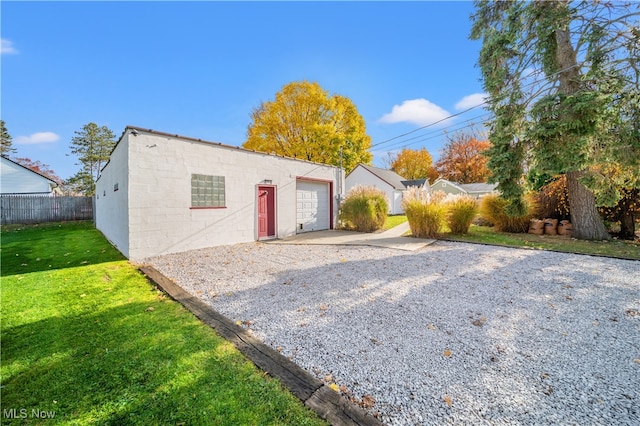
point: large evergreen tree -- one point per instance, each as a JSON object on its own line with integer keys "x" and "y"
{"x": 6, "y": 146}
{"x": 305, "y": 122}
{"x": 562, "y": 78}
{"x": 92, "y": 145}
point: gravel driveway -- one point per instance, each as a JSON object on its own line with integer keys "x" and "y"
{"x": 452, "y": 334}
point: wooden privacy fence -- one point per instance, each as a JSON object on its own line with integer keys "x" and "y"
{"x": 25, "y": 209}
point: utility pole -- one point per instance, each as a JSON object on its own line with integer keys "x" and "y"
{"x": 340, "y": 185}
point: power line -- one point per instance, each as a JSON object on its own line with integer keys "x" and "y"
{"x": 433, "y": 135}
{"x": 429, "y": 125}
{"x": 455, "y": 127}
{"x": 437, "y": 133}
{"x": 537, "y": 72}
{"x": 444, "y": 129}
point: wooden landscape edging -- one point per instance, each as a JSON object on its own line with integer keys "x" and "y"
{"x": 326, "y": 402}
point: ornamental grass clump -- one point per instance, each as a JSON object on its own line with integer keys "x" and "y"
{"x": 494, "y": 209}
{"x": 425, "y": 210}
{"x": 462, "y": 209}
{"x": 364, "y": 209}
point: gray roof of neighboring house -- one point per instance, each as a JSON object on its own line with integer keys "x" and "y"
{"x": 389, "y": 176}
{"x": 413, "y": 182}
{"x": 478, "y": 187}
{"x": 470, "y": 188}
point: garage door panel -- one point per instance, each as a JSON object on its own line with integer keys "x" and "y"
{"x": 312, "y": 206}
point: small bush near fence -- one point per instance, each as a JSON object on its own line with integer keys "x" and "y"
{"x": 364, "y": 209}
{"x": 25, "y": 209}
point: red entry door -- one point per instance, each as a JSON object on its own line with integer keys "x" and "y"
{"x": 266, "y": 212}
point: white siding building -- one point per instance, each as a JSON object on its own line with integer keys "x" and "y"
{"x": 388, "y": 181}
{"x": 19, "y": 180}
{"x": 161, "y": 193}
{"x": 476, "y": 190}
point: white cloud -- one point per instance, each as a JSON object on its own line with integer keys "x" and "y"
{"x": 6, "y": 47}
{"x": 417, "y": 111}
{"x": 37, "y": 138}
{"x": 471, "y": 101}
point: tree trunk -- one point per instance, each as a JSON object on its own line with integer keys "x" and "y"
{"x": 627, "y": 208}
{"x": 627, "y": 225}
{"x": 585, "y": 219}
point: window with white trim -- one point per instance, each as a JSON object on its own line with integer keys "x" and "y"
{"x": 207, "y": 191}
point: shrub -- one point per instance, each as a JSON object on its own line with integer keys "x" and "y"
{"x": 461, "y": 212}
{"x": 426, "y": 213}
{"x": 364, "y": 209}
{"x": 493, "y": 209}
{"x": 480, "y": 220}
{"x": 553, "y": 199}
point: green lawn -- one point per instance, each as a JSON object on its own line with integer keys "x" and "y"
{"x": 393, "y": 221}
{"x": 486, "y": 235}
{"x": 87, "y": 338}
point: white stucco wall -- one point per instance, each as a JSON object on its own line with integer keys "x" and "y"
{"x": 111, "y": 205}
{"x": 363, "y": 177}
{"x": 15, "y": 179}
{"x": 160, "y": 217}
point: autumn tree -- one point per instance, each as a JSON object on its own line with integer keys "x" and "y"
{"x": 622, "y": 186}
{"x": 626, "y": 212}
{"x": 305, "y": 122}
{"x": 552, "y": 198}
{"x": 92, "y": 145}
{"x": 462, "y": 159}
{"x": 6, "y": 147}
{"x": 413, "y": 164}
{"x": 562, "y": 79}
{"x": 40, "y": 168}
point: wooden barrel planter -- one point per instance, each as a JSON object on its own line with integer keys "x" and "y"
{"x": 565, "y": 228}
{"x": 551, "y": 226}
{"x": 536, "y": 226}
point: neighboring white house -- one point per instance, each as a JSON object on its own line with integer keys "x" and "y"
{"x": 16, "y": 179}
{"x": 391, "y": 183}
{"x": 162, "y": 193}
{"x": 476, "y": 190}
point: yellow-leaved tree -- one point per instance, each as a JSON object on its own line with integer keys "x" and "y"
{"x": 305, "y": 122}
{"x": 414, "y": 164}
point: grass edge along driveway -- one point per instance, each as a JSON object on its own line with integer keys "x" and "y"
{"x": 87, "y": 339}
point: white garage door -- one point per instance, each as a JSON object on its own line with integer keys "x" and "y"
{"x": 312, "y": 206}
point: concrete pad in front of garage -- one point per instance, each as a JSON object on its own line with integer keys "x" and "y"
{"x": 389, "y": 239}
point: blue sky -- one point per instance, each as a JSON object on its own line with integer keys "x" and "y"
{"x": 199, "y": 68}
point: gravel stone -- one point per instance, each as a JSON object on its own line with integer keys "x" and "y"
{"x": 454, "y": 333}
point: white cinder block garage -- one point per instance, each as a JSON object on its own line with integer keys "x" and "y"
{"x": 161, "y": 193}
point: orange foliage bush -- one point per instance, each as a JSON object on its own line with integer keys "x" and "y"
{"x": 553, "y": 199}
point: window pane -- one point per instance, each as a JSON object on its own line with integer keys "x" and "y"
{"x": 207, "y": 191}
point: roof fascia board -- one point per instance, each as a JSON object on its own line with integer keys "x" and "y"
{"x": 220, "y": 144}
